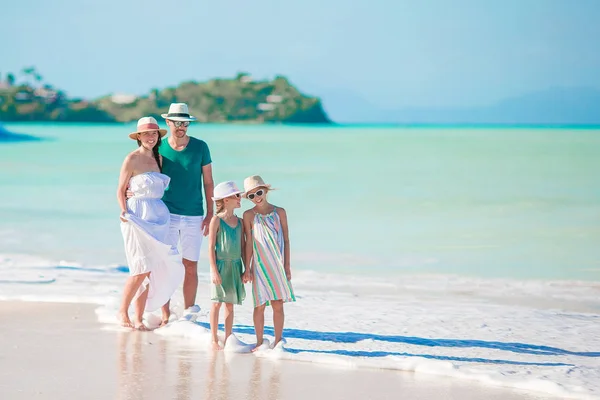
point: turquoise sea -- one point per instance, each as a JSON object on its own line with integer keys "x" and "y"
{"x": 496, "y": 202}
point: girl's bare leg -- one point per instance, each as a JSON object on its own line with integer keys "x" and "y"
{"x": 259, "y": 324}
{"x": 214, "y": 325}
{"x": 228, "y": 320}
{"x": 131, "y": 286}
{"x": 278, "y": 319}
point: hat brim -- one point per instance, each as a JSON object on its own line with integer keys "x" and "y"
{"x": 230, "y": 194}
{"x": 268, "y": 186}
{"x": 190, "y": 118}
{"x": 133, "y": 135}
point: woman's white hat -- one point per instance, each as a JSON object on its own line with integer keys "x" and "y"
{"x": 225, "y": 189}
{"x": 147, "y": 124}
{"x": 254, "y": 181}
{"x": 178, "y": 112}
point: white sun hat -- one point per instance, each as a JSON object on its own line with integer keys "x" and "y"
{"x": 225, "y": 189}
{"x": 178, "y": 112}
{"x": 147, "y": 124}
{"x": 254, "y": 181}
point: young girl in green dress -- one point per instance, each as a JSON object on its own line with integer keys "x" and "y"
{"x": 226, "y": 242}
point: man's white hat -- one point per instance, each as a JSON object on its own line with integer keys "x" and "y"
{"x": 178, "y": 112}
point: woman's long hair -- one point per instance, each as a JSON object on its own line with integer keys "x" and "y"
{"x": 155, "y": 151}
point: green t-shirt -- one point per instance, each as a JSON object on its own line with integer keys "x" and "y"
{"x": 184, "y": 194}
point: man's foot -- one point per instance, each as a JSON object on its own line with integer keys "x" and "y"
{"x": 124, "y": 320}
{"x": 191, "y": 310}
{"x": 216, "y": 345}
{"x": 141, "y": 327}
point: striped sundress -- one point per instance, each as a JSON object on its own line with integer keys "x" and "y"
{"x": 270, "y": 282}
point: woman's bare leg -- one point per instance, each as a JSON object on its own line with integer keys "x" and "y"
{"x": 140, "y": 305}
{"x": 131, "y": 286}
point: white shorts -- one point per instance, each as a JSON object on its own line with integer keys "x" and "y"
{"x": 186, "y": 230}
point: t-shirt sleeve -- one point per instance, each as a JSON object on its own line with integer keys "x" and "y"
{"x": 205, "y": 154}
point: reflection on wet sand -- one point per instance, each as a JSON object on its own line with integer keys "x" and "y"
{"x": 151, "y": 368}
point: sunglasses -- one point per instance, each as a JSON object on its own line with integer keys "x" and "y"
{"x": 181, "y": 123}
{"x": 237, "y": 196}
{"x": 258, "y": 193}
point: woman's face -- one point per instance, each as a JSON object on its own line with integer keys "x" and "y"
{"x": 148, "y": 139}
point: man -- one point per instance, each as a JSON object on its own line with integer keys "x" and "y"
{"x": 186, "y": 160}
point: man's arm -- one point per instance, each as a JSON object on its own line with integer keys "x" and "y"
{"x": 209, "y": 186}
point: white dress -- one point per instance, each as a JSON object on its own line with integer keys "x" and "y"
{"x": 145, "y": 234}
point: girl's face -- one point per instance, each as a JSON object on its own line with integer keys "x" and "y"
{"x": 233, "y": 201}
{"x": 148, "y": 139}
{"x": 257, "y": 195}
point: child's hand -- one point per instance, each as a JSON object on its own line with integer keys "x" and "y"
{"x": 288, "y": 273}
{"x": 216, "y": 278}
{"x": 247, "y": 277}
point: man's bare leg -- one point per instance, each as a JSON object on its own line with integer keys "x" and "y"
{"x": 190, "y": 282}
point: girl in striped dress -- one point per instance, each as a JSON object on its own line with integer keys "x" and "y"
{"x": 268, "y": 255}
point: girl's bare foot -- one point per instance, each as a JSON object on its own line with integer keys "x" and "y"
{"x": 216, "y": 345}
{"x": 257, "y": 346}
{"x": 141, "y": 327}
{"x": 124, "y": 320}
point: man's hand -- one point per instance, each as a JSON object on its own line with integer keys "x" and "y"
{"x": 206, "y": 223}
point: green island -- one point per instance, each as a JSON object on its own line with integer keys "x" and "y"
{"x": 235, "y": 100}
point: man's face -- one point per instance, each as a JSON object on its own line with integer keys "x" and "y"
{"x": 178, "y": 128}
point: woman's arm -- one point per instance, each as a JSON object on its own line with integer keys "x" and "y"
{"x": 213, "y": 228}
{"x": 124, "y": 176}
{"x": 286, "y": 243}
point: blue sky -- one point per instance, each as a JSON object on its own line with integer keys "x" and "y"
{"x": 391, "y": 54}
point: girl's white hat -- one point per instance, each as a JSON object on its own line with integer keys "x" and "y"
{"x": 178, "y": 112}
{"x": 254, "y": 181}
{"x": 225, "y": 189}
{"x": 147, "y": 124}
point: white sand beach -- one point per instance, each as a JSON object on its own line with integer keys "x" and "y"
{"x": 59, "y": 350}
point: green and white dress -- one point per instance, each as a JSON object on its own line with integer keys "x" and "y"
{"x": 228, "y": 250}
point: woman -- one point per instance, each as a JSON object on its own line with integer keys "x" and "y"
{"x": 155, "y": 273}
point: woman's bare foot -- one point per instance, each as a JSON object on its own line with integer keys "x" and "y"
{"x": 216, "y": 345}
{"x": 124, "y": 320}
{"x": 163, "y": 323}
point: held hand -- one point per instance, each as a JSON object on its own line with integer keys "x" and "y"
{"x": 288, "y": 273}
{"x": 216, "y": 278}
{"x": 122, "y": 217}
{"x": 206, "y": 223}
{"x": 247, "y": 276}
